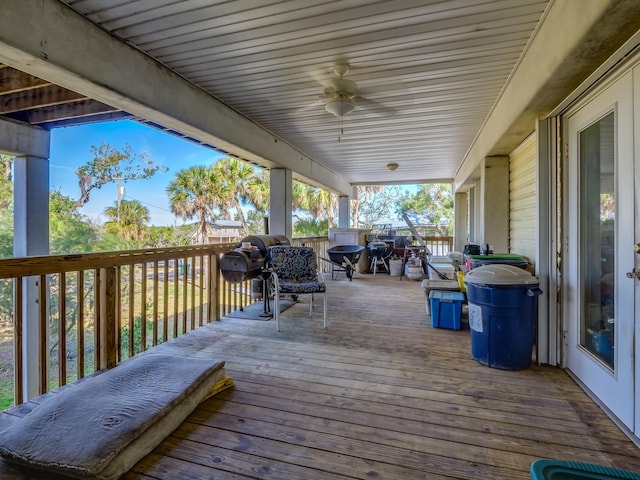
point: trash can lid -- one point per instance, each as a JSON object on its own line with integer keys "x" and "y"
{"x": 497, "y": 256}
{"x": 499, "y": 274}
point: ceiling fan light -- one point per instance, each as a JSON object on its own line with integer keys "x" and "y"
{"x": 339, "y": 108}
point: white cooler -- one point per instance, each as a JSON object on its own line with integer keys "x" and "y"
{"x": 443, "y": 264}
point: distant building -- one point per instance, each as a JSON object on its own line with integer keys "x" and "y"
{"x": 220, "y": 231}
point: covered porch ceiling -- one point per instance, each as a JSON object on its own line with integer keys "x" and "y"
{"x": 424, "y": 75}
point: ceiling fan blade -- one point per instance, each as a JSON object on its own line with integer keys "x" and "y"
{"x": 321, "y": 80}
{"x": 373, "y": 106}
{"x": 311, "y": 106}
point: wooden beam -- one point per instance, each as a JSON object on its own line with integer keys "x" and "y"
{"x": 99, "y": 117}
{"x": 145, "y": 88}
{"x": 69, "y": 111}
{"x": 12, "y": 80}
{"x": 47, "y": 96}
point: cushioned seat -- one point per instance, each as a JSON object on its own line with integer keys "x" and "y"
{"x": 100, "y": 427}
{"x": 295, "y": 272}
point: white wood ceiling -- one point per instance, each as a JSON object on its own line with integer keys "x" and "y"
{"x": 427, "y": 72}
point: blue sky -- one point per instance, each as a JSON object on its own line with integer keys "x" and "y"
{"x": 71, "y": 147}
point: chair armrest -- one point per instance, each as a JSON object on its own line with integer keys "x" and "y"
{"x": 276, "y": 280}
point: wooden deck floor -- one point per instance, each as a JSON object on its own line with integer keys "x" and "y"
{"x": 379, "y": 394}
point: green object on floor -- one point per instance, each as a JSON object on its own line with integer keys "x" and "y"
{"x": 568, "y": 470}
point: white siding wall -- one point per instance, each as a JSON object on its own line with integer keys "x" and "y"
{"x": 522, "y": 199}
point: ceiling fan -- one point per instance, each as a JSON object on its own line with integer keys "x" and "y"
{"x": 341, "y": 95}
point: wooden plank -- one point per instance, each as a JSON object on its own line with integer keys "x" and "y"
{"x": 43, "y": 265}
{"x": 330, "y": 464}
{"x": 156, "y": 466}
{"x": 130, "y": 286}
{"x": 379, "y": 394}
{"x": 62, "y": 329}
{"x": 43, "y": 320}
{"x": 80, "y": 325}
{"x": 17, "y": 340}
{"x": 155, "y": 300}
{"x": 143, "y": 308}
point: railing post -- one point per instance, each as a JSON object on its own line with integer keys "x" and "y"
{"x": 108, "y": 319}
{"x": 30, "y": 337}
{"x": 213, "y": 288}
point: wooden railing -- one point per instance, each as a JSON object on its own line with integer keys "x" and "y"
{"x": 91, "y": 311}
{"x": 87, "y": 312}
{"x": 439, "y": 245}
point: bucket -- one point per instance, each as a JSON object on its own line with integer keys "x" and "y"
{"x": 413, "y": 271}
{"x": 395, "y": 267}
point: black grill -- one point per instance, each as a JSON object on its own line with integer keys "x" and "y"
{"x": 242, "y": 264}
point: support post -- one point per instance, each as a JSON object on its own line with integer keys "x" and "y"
{"x": 548, "y": 340}
{"x": 344, "y": 211}
{"x": 461, "y": 221}
{"x": 495, "y": 203}
{"x": 280, "y": 202}
{"x": 31, "y": 237}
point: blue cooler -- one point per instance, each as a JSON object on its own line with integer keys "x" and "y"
{"x": 446, "y": 308}
{"x": 503, "y": 302}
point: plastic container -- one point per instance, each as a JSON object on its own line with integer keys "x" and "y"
{"x": 440, "y": 259}
{"x": 445, "y": 268}
{"x": 564, "y": 470}
{"x": 429, "y": 285}
{"x": 395, "y": 268}
{"x": 446, "y": 309}
{"x": 503, "y": 303}
{"x": 475, "y": 261}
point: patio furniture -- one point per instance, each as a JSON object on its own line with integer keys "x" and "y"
{"x": 295, "y": 272}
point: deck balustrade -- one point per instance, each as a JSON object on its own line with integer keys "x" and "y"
{"x": 95, "y": 310}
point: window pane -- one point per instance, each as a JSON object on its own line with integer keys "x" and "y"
{"x": 597, "y": 238}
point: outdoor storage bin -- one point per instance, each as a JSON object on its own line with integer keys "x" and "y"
{"x": 502, "y": 310}
{"x": 547, "y": 469}
{"x": 474, "y": 261}
{"x": 446, "y": 309}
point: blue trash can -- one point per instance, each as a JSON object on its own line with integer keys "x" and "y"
{"x": 503, "y": 302}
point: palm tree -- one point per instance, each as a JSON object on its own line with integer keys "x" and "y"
{"x": 321, "y": 204}
{"x": 129, "y": 221}
{"x": 235, "y": 178}
{"x": 325, "y": 204}
{"x": 192, "y": 193}
{"x": 258, "y": 191}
